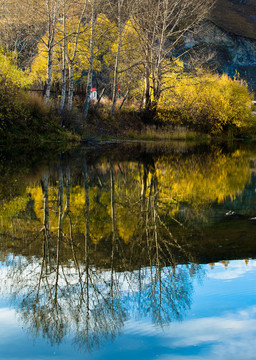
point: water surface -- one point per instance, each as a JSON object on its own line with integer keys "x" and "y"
{"x": 127, "y": 250}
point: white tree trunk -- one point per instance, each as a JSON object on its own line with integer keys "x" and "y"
{"x": 49, "y": 75}
{"x": 71, "y": 58}
{"x": 70, "y": 86}
{"x": 64, "y": 67}
{"x": 119, "y": 46}
{"x": 90, "y": 69}
{"x": 115, "y": 82}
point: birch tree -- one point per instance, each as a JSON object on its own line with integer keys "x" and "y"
{"x": 63, "y": 59}
{"x": 49, "y": 11}
{"x": 72, "y": 52}
{"x": 51, "y": 17}
{"x": 73, "y": 16}
{"x": 93, "y": 10}
{"x": 161, "y": 26}
{"x": 121, "y": 11}
{"x": 95, "y": 7}
{"x": 43, "y": 19}
{"x": 68, "y": 9}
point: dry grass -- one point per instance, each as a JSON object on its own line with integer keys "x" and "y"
{"x": 38, "y": 107}
{"x": 166, "y": 133}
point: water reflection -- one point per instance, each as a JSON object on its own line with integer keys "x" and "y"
{"x": 94, "y": 239}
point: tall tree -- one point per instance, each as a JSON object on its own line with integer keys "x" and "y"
{"x": 73, "y": 50}
{"x": 94, "y": 9}
{"x": 121, "y": 11}
{"x": 47, "y": 23}
{"x": 73, "y": 16}
{"x": 161, "y": 26}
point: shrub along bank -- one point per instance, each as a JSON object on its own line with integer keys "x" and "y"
{"x": 210, "y": 103}
{"x": 24, "y": 116}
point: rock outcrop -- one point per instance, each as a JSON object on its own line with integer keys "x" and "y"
{"x": 236, "y": 16}
{"x": 230, "y": 36}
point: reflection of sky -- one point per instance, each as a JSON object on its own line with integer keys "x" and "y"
{"x": 220, "y": 325}
{"x": 234, "y": 270}
{"x": 229, "y": 336}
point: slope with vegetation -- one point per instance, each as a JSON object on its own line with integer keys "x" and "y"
{"x": 123, "y": 48}
{"x": 24, "y": 116}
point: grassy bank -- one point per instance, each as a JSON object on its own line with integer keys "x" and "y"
{"x": 193, "y": 106}
{"x": 25, "y": 118}
{"x": 40, "y": 124}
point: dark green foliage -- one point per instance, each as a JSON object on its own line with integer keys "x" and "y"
{"x": 12, "y": 109}
{"x": 24, "y": 116}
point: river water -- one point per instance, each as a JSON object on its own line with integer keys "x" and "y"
{"x": 128, "y": 250}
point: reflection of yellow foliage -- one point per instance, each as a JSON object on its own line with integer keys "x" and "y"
{"x": 127, "y": 223}
{"x": 193, "y": 182}
{"x": 198, "y": 184}
{"x": 37, "y": 196}
{"x": 100, "y": 219}
{"x": 13, "y": 207}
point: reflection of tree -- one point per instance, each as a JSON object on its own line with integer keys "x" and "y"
{"x": 87, "y": 285}
{"x": 64, "y": 297}
{"x": 167, "y": 294}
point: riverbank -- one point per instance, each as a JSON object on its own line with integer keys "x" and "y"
{"x": 131, "y": 123}
{"x": 200, "y": 105}
{"x": 27, "y": 119}
{"x": 125, "y": 125}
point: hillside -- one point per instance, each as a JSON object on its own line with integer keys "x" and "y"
{"x": 236, "y": 16}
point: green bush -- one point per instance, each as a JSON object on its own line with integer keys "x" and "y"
{"x": 13, "y": 111}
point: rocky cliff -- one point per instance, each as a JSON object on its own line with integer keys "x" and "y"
{"x": 230, "y": 36}
{"x": 236, "y": 16}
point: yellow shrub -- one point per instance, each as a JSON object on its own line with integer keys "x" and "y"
{"x": 208, "y": 102}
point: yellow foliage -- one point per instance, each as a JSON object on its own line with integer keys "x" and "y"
{"x": 39, "y": 65}
{"x": 102, "y": 44}
{"x": 204, "y": 101}
{"x": 10, "y": 72}
{"x": 130, "y": 61}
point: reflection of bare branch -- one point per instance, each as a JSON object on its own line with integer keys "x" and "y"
{"x": 87, "y": 210}
{"x": 68, "y": 283}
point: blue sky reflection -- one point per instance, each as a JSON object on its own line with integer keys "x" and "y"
{"x": 221, "y": 324}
